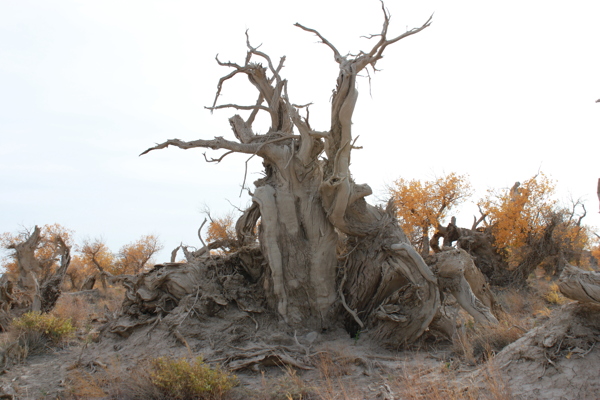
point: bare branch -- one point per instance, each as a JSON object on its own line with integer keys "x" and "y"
{"x": 254, "y": 112}
{"x": 336, "y": 54}
{"x": 226, "y": 77}
{"x": 245, "y": 174}
{"x": 238, "y": 107}
{"x": 582, "y": 216}
{"x": 376, "y": 52}
{"x": 302, "y": 105}
{"x": 215, "y": 144}
{"x": 174, "y": 253}
{"x": 227, "y": 64}
{"x": 217, "y": 160}
{"x": 254, "y": 50}
{"x": 200, "y": 232}
{"x": 477, "y": 221}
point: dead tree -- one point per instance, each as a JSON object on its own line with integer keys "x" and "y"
{"x": 580, "y": 285}
{"x": 307, "y": 201}
{"x": 598, "y": 190}
{"x": 479, "y": 243}
{"x": 29, "y": 268}
{"x": 51, "y": 287}
{"x": 40, "y": 289}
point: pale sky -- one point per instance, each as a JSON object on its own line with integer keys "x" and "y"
{"x": 496, "y": 90}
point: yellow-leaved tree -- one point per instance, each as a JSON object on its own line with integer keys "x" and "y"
{"x": 516, "y": 214}
{"x": 136, "y": 256}
{"x": 422, "y": 205}
{"x": 98, "y": 260}
{"x": 530, "y": 229}
{"x": 95, "y": 253}
{"x": 596, "y": 252}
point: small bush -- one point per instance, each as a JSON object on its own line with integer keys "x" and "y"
{"x": 553, "y": 295}
{"x": 37, "y": 329}
{"x": 181, "y": 379}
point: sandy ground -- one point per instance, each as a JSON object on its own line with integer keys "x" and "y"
{"x": 557, "y": 360}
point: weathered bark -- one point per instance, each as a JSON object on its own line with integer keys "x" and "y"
{"x": 29, "y": 268}
{"x": 598, "y": 190}
{"x": 41, "y": 292}
{"x": 449, "y": 233}
{"x": 89, "y": 282}
{"x": 51, "y": 288}
{"x": 480, "y": 245}
{"x": 304, "y": 201}
{"x": 7, "y": 294}
{"x": 458, "y": 275}
{"x": 7, "y": 300}
{"x": 580, "y": 285}
{"x": 388, "y": 284}
{"x": 300, "y": 245}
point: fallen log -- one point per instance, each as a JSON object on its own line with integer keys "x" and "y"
{"x": 580, "y": 285}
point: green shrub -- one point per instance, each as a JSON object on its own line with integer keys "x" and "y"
{"x": 181, "y": 379}
{"x": 44, "y": 326}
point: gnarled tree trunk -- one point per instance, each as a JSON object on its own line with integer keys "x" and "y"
{"x": 305, "y": 201}
{"x": 42, "y": 292}
{"x": 480, "y": 245}
{"x": 29, "y": 268}
{"x": 51, "y": 287}
{"x": 297, "y": 240}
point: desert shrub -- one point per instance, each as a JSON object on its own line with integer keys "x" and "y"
{"x": 37, "y": 330}
{"x": 553, "y": 295}
{"x": 182, "y": 379}
{"x": 84, "y": 385}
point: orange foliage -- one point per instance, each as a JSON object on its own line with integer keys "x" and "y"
{"x": 97, "y": 256}
{"x": 595, "y": 249}
{"x": 135, "y": 257}
{"x": 596, "y": 253}
{"x": 78, "y": 270}
{"x": 518, "y": 213}
{"x": 424, "y": 204}
{"x": 221, "y": 229}
{"x": 46, "y": 252}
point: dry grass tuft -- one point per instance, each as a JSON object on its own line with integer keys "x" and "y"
{"x": 85, "y": 385}
{"x": 553, "y": 295}
{"x": 112, "y": 299}
{"x": 520, "y": 303}
{"x": 425, "y": 385}
{"x": 74, "y": 307}
{"x": 335, "y": 367}
{"x": 478, "y": 344}
{"x": 290, "y": 386}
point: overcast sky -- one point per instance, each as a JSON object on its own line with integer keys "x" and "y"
{"x": 495, "y": 90}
